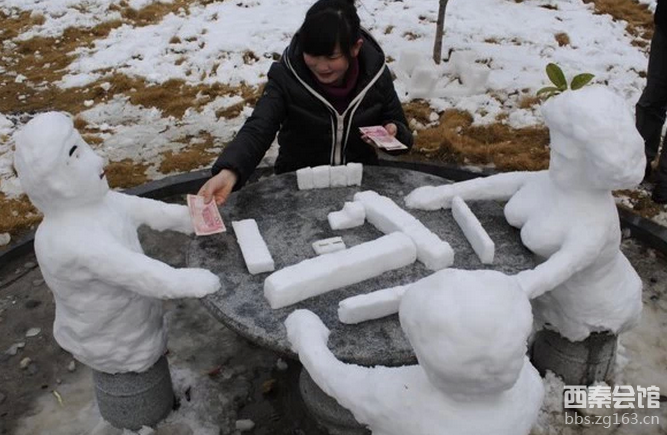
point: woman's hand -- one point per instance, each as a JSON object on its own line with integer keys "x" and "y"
{"x": 219, "y": 187}
{"x": 391, "y": 129}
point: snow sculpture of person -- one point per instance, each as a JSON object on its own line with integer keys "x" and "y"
{"x": 469, "y": 331}
{"x": 107, "y": 292}
{"x": 567, "y": 214}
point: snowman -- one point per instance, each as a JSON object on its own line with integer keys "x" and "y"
{"x": 469, "y": 331}
{"x": 108, "y": 294}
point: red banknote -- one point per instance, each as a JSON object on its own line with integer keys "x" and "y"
{"x": 206, "y": 218}
{"x": 381, "y": 137}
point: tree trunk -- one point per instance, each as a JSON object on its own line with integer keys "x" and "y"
{"x": 439, "y": 31}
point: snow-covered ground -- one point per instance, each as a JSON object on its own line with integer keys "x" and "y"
{"x": 206, "y": 42}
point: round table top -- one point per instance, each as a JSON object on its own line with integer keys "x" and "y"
{"x": 290, "y": 220}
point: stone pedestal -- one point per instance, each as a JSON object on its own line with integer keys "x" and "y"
{"x": 132, "y": 400}
{"x": 326, "y": 411}
{"x": 578, "y": 363}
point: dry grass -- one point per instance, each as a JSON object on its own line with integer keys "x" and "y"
{"x": 17, "y": 216}
{"x": 641, "y": 203}
{"x": 43, "y": 61}
{"x": 126, "y": 173}
{"x": 456, "y": 140}
{"x": 550, "y": 7}
{"x": 249, "y": 57}
{"x": 193, "y": 156}
{"x": 153, "y": 13}
{"x": 13, "y": 27}
{"x": 637, "y": 15}
{"x": 528, "y": 101}
{"x": 562, "y": 39}
{"x": 92, "y": 139}
{"x": 174, "y": 96}
{"x": 419, "y": 110}
{"x": 234, "y": 110}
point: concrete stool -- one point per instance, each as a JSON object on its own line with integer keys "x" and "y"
{"x": 324, "y": 409}
{"x": 132, "y": 400}
{"x": 578, "y": 363}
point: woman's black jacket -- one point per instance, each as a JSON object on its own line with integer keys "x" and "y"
{"x": 661, "y": 15}
{"x": 311, "y": 131}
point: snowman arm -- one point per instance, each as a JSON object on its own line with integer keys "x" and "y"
{"x": 117, "y": 266}
{"x": 349, "y": 384}
{"x": 158, "y": 215}
{"x": 579, "y": 250}
{"x": 495, "y": 187}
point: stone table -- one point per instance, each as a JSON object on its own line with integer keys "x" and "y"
{"x": 291, "y": 220}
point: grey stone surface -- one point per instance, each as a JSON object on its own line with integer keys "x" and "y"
{"x": 326, "y": 411}
{"x": 291, "y": 220}
{"x": 578, "y": 363}
{"x": 132, "y": 400}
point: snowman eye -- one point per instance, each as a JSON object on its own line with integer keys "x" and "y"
{"x": 71, "y": 150}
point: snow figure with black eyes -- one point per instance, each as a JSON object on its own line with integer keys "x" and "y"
{"x": 469, "y": 331}
{"x": 107, "y": 292}
{"x": 567, "y": 215}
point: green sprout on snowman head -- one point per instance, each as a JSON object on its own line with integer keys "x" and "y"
{"x": 555, "y": 74}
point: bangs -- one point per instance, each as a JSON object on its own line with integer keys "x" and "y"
{"x": 320, "y": 34}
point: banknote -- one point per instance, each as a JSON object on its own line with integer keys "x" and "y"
{"x": 382, "y": 138}
{"x": 206, "y": 218}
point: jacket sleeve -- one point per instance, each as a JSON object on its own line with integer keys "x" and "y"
{"x": 245, "y": 151}
{"x": 393, "y": 112}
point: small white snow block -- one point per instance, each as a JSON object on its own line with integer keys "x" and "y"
{"x": 388, "y": 217}
{"x": 476, "y": 234}
{"x": 327, "y": 246}
{"x": 473, "y": 75}
{"x": 338, "y": 176}
{"x": 423, "y": 81}
{"x": 322, "y": 274}
{"x": 408, "y": 61}
{"x": 304, "y": 178}
{"x": 255, "y": 252}
{"x": 322, "y": 176}
{"x": 375, "y": 305}
{"x": 355, "y": 173}
{"x": 352, "y": 215}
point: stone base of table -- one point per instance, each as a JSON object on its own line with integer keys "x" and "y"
{"x": 133, "y": 400}
{"x": 578, "y": 363}
{"x": 326, "y": 411}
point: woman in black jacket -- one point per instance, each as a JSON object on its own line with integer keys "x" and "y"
{"x": 331, "y": 80}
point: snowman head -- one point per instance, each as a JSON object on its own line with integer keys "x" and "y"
{"x": 594, "y": 141}
{"x": 468, "y": 329}
{"x": 58, "y": 170}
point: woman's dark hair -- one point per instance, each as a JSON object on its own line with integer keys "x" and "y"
{"x": 329, "y": 23}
